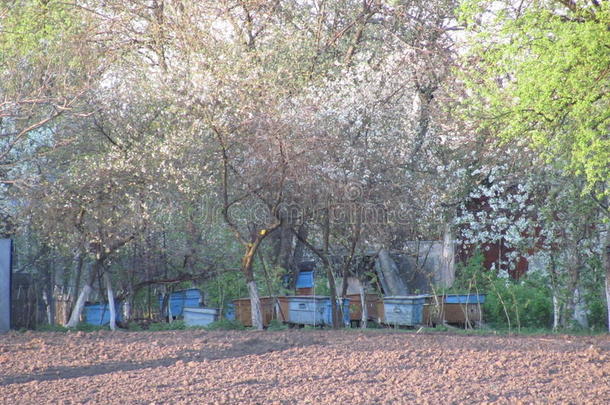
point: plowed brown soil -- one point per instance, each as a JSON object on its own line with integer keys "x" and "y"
{"x": 306, "y": 366}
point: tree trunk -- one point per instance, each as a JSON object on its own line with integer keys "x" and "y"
{"x": 128, "y": 301}
{"x": 110, "y": 301}
{"x": 365, "y": 310}
{"x": 555, "y": 291}
{"x": 333, "y": 297}
{"x": 580, "y": 309}
{"x": 255, "y": 305}
{"x": 447, "y": 270}
{"x": 573, "y": 265}
{"x": 170, "y": 315}
{"x": 127, "y": 308}
{"x": 74, "y": 287}
{"x": 83, "y": 296}
{"x": 48, "y": 299}
{"x": 48, "y": 295}
{"x": 556, "y": 312}
{"x": 297, "y": 256}
{"x": 606, "y": 266}
{"x": 79, "y": 306}
{"x": 255, "y": 302}
{"x": 285, "y": 247}
{"x": 164, "y": 302}
{"x": 323, "y": 255}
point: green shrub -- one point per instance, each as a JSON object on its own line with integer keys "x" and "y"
{"x": 50, "y": 328}
{"x": 161, "y": 326}
{"x": 509, "y": 303}
{"x": 276, "y": 325}
{"x": 516, "y": 304}
{"x": 225, "y": 324}
{"x": 85, "y": 327}
{"x": 225, "y": 287}
{"x": 134, "y": 327}
{"x": 598, "y": 318}
{"x": 594, "y": 294}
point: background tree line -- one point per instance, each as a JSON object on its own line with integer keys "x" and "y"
{"x": 153, "y": 142}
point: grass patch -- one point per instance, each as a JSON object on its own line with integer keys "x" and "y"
{"x": 81, "y": 327}
{"x": 162, "y": 326}
{"x": 514, "y": 332}
{"x": 225, "y": 324}
{"x": 48, "y": 328}
{"x": 276, "y": 325}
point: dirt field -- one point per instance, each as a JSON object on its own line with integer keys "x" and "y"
{"x": 316, "y": 367}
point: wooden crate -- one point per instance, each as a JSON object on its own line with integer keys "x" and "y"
{"x": 244, "y": 315}
{"x": 355, "y": 306}
{"x": 282, "y": 310}
{"x": 460, "y": 312}
{"x": 380, "y": 312}
{"x": 305, "y": 291}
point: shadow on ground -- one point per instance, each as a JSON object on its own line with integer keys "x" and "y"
{"x": 254, "y": 346}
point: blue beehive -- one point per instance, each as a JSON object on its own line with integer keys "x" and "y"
{"x": 404, "y": 310}
{"x": 305, "y": 280}
{"x": 180, "y": 299}
{"x": 313, "y": 310}
{"x": 99, "y": 314}
{"x": 328, "y": 310}
{"x": 199, "y": 316}
{"x": 465, "y": 299}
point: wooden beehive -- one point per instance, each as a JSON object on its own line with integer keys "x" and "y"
{"x": 244, "y": 315}
{"x": 282, "y": 310}
{"x": 454, "y": 309}
{"x": 355, "y": 306}
{"x": 380, "y": 311}
{"x": 305, "y": 291}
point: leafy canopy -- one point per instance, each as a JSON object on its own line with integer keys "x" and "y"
{"x": 542, "y": 77}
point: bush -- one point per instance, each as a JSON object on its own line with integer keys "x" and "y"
{"x": 275, "y": 325}
{"x": 598, "y": 313}
{"x": 225, "y": 324}
{"x": 50, "y": 328}
{"x": 134, "y": 327}
{"x": 523, "y": 303}
{"x": 85, "y": 327}
{"x": 161, "y": 326}
{"x": 509, "y": 303}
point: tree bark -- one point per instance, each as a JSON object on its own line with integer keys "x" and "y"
{"x": 255, "y": 305}
{"x": 111, "y": 305}
{"x": 556, "y": 312}
{"x": 297, "y": 256}
{"x": 74, "y": 288}
{"x": 83, "y": 296}
{"x": 79, "y": 306}
{"x": 555, "y": 291}
{"x": 574, "y": 265}
{"x": 365, "y": 310}
{"x": 255, "y": 302}
{"x": 580, "y": 309}
{"x": 333, "y": 296}
{"x": 322, "y": 254}
{"x": 127, "y": 308}
{"x": 447, "y": 273}
{"x": 606, "y": 266}
{"x": 48, "y": 302}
